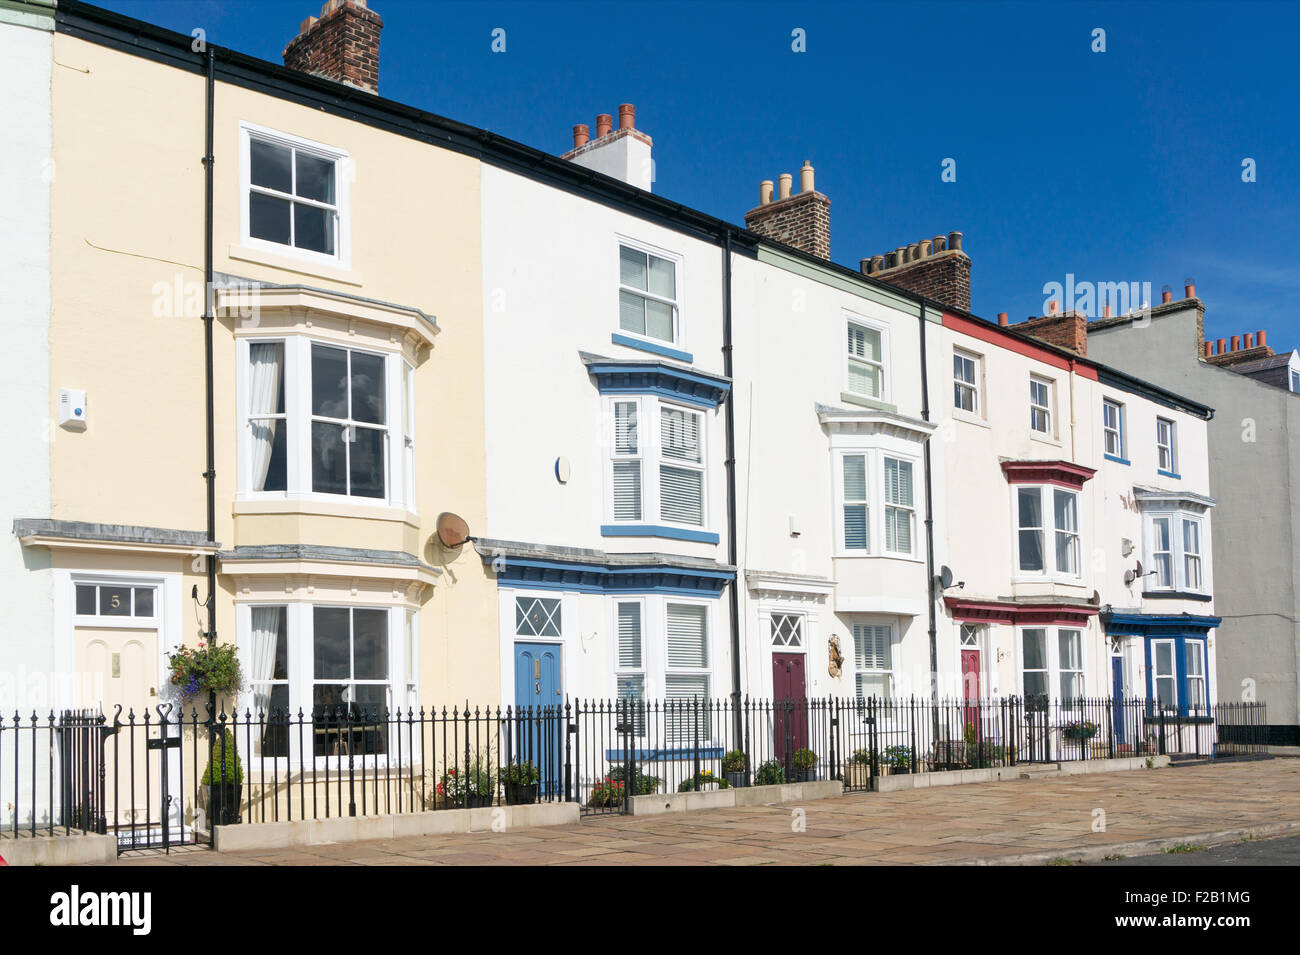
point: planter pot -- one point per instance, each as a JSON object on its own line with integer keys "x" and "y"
{"x": 857, "y": 775}
{"x": 521, "y": 794}
{"x": 805, "y": 775}
{"x": 477, "y": 802}
{"x": 737, "y": 780}
{"x": 887, "y": 770}
{"x": 223, "y": 803}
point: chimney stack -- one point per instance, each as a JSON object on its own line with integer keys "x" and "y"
{"x": 1067, "y": 330}
{"x": 341, "y": 45}
{"x": 936, "y": 268}
{"x": 623, "y": 153}
{"x": 801, "y": 220}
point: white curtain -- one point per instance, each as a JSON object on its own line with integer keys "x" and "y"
{"x": 266, "y": 631}
{"x": 264, "y": 369}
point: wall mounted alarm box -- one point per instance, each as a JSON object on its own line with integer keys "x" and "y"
{"x": 72, "y": 409}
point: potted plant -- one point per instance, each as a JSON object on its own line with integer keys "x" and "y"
{"x": 734, "y": 765}
{"x": 520, "y": 781}
{"x": 898, "y": 760}
{"x": 805, "y": 765}
{"x": 857, "y": 771}
{"x": 769, "y": 773}
{"x": 1079, "y": 731}
{"x": 470, "y": 787}
{"x": 701, "y": 779}
{"x": 197, "y": 671}
{"x": 224, "y": 781}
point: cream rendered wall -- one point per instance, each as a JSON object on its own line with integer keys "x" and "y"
{"x": 26, "y": 661}
{"x": 790, "y": 347}
{"x": 129, "y": 231}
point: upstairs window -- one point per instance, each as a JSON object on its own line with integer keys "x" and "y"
{"x": 1175, "y": 552}
{"x": 875, "y": 504}
{"x": 965, "y": 370}
{"x": 647, "y": 295}
{"x": 857, "y": 536}
{"x": 900, "y": 514}
{"x": 349, "y": 414}
{"x": 1034, "y": 504}
{"x": 681, "y": 469}
{"x": 1040, "y": 405}
{"x": 1112, "y": 425}
{"x": 866, "y": 362}
{"x": 1166, "y": 452}
{"x": 661, "y": 474}
{"x": 293, "y": 194}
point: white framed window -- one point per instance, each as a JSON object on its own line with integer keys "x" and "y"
{"x": 1175, "y": 553}
{"x": 1112, "y": 427}
{"x": 787, "y": 630}
{"x": 629, "y": 659}
{"x": 900, "y": 512}
{"x": 647, "y": 295}
{"x": 294, "y": 196}
{"x": 1166, "y": 452}
{"x": 119, "y": 602}
{"x": 268, "y": 677}
{"x": 666, "y": 476}
{"x": 1040, "y": 405}
{"x": 1051, "y": 663}
{"x": 411, "y": 656}
{"x": 873, "y": 652}
{"x": 1040, "y": 509}
{"x": 855, "y": 525}
{"x": 1295, "y": 381}
{"x": 965, "y": 382}
{"x": 1164, "y": 672}
{"x": 866, "y": 359}
{"x": 326, "y": 421}
{"x": 1197, "y": 701}
{"x": 687, "y": 672}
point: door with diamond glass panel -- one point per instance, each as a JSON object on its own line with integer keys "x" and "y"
{"x": 538, "y": 728}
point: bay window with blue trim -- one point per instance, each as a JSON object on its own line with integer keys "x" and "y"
{"x": 1176, "y": 655}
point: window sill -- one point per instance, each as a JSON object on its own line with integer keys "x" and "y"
{"x": 1169, "y": 474}
{"x": 862, "y": 401}
{"x": 369, "y": 512}
{"x": 658, "y": 530}
{"x": 966, "y": 417}
{"x": 667, "y": 351}
{"x": 1176, "y": 595}
{"x": 858, "y": 555}
{"x": 293, "y": 263}
{"x": 1118, "y": 460}
{"x": 1045, "y": 438}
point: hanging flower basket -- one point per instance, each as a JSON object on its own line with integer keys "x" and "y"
{"x": 197, "y": 671}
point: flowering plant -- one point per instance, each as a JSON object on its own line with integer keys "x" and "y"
{"x": 607, "y": 792}
{"x": 205, "y": 669}
{"x": 701, "y": 779}
{"x": 1079, "y": 730}
{"x": 457, "y": 783}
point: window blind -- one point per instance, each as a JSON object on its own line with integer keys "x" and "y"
{"x": 629, "y": 636}
{"x": 855, "y": 502}
{"x": 687, "y": 636}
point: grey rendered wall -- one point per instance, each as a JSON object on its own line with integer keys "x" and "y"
{"x": 1253, "y": 474}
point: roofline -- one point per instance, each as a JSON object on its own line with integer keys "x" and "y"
{"x": 140, "y": 38}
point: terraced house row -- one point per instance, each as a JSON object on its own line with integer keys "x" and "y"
{"x": 273, "y": 328}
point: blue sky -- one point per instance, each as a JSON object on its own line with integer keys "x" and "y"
{"x": 1122, "y": 166}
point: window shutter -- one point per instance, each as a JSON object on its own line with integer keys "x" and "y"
{"x": 629, "y": 636}
{"x": 687, "y": 636}
{"x": 680, "y": 433}
{"x": 625, "y": 430}
{"x": 627, "y": 490}
{"x": 872, "y": 646}
{"x": 856, "y": 536}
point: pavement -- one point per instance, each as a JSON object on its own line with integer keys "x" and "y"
{"x": 1084, "y": 818}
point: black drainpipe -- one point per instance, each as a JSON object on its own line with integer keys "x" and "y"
{"x": 929, "y": 521}
{"x": 732, "y": 549}
{"x": 210, "y": 475}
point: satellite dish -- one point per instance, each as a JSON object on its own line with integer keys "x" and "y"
{"x": 945, "y": 577}
{"x": 452, "y": 530}
{"x": 1132, "y": 575}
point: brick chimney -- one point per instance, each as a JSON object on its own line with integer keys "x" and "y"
{"x": 802, "y": 220}
{"x": 936, "y": 268}
{"x": 341, "y": 45}
{"x": 623, "y": 153}
{"x": 1067, "y": 330}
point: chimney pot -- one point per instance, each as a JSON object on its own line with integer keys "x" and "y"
{"x": 626, "y": 116}
{"x": 1209, "y": 349}
{"x": 1166, "y": 294}
{"x": 1004, "y": 318}
{"x": 954, "y": 241}
{"x": 938, "y": 243}
{"x": 1250, "y": 339}
{"x": 1260, "y": 338}
{"x": 1189, "y": 290}
{"x": 925, "y": 248}
{"x": 1105, "y": 311}
{"x": 913, "y": 252}
{"x": 806, "y": 177}
{"x": 765, "y": 192}
{"x": 604, "y": 123}
{"x": 581, "y": 134}
{"x": 1222, "y": 346}
{"x": 1051, "y": 307}
{"x": 1236, "y": 342}
{"x": 877, "y": 263}
{"x": 785, "y": 180}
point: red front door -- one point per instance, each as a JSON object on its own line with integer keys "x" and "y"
{"x": 970, "y": 688}
{"x": 790, "y": 701}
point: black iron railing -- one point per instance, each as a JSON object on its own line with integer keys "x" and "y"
{"x": 165, "y": 778}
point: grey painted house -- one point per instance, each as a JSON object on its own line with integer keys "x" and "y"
{"x": 1255, "y": 476}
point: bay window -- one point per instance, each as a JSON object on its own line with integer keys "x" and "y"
{"x": 327, "y": 421}
{"x": 667, "y": 477}
{"x": 857, "y": 536}
{"x": 1174, "y": 552}
{"x": 1164, "y": 673}
{"x": 899, "y": 510}
{"x": 686, "y": 676}
{"x": 888, "y": 529}
{"x": 1033, "y": 503}
{"x": 629, "y": 660}
{"x": 1197, "y": 703}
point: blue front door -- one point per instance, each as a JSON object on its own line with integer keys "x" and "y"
{"x": 1117, "y": 696}
{"x": 538, "y": 726}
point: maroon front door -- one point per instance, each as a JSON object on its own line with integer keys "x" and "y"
{"x": 790, "y": 703}
{"x": 970, "y": 688}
